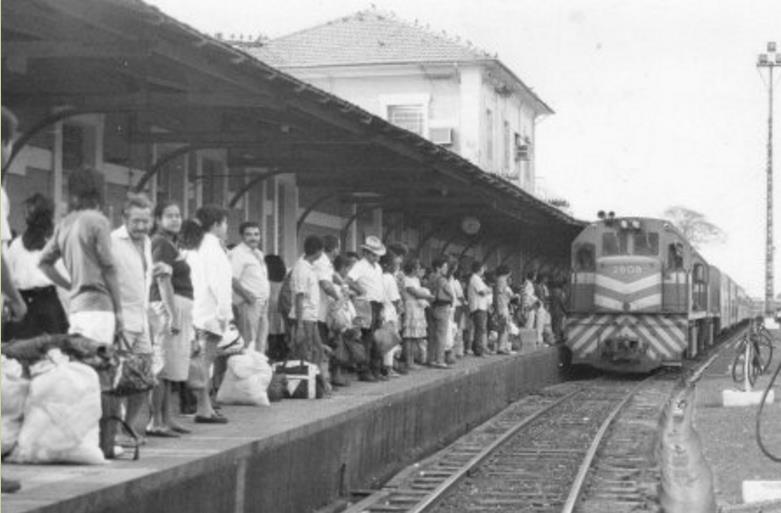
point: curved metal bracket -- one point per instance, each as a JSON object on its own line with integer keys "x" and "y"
{"x": 40, "y": 125}
{"x": 163, "y": 160}
{"x": 491, "y": 251}
{"x": 392, "y": 230}
{"x": 450, "y": 241}
{"x": 351, "y": 220}
{"x": 472, "y": 243}
{"x": 314, "y": 205}
{"x": 506, "y": 258}
{"x": 434, "y": 229}
{"x": 252, "y": 183}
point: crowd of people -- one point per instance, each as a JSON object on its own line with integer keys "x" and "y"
{"x": 170, "y": 289}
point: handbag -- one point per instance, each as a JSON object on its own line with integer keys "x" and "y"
{"x": 354, "y": 347}
{"x": 132, "y": 373}
{"x": 196, "y": 375}
{"x": 341, "y": 355}
{"x": 277, "y": 389}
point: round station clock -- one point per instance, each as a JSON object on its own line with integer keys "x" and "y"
{"x": 470, "y": 225}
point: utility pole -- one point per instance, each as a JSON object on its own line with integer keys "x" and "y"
{"x": 769, "y": 60}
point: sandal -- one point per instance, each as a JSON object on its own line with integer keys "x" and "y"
{"x": 181, "y": 430}
{"x": 162, "y": 433}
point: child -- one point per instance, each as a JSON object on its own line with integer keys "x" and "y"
{"x": 416, "y": 299}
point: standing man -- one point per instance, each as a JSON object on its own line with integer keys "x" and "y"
{"x": 365, "y": 278}
{"x": 132, "y": 251}
{"x": 480, "y": 298}
{"x": 251, "y": 289}
{"x": 324, "y": 271}
{"x": 304, "y": 285}
{"x": 83, "y": 240}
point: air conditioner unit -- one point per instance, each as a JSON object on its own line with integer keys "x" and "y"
{"x": 522, "y": 146}
{"x": 441, "y": 135}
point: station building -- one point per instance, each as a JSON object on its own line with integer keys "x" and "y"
{"x": 159, "y": 107}
{"x": 430, "y": 83}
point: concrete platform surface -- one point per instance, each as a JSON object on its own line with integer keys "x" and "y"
{"x": 728, "y": 433}
{"x": 296, "y": 455}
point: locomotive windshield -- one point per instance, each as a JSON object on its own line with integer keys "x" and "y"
{"x": 646, "y": 243}
{"x": 615, "y": 243}
{"x": 618, "y": 243}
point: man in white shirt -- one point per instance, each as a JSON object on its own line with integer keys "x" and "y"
{"x": 132, "y": 252}
{"x": 479, "y": 298}
{"x": 251, "y": 286}
{"x": 365, "y": 278}
{"x": 305, "y": 288}
{"x": 324, "y": 270}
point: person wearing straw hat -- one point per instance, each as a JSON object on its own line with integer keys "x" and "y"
{"x": 365, "y": 278}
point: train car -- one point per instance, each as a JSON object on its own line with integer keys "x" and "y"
{"x": 641, "y": 296}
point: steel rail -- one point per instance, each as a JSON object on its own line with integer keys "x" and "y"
{"x": 580, "y": 478}
{"x": 438, "y": 492}
{"x": 585, "y": 466}
{"x": 431, "y": 499}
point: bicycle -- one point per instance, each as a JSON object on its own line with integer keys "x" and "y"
{"x": 753, "y": 353}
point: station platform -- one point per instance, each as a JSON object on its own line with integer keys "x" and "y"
{"x": 728, "y": 433}
{"x": 296, "y": 455}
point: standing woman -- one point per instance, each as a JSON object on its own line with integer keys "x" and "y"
{"x": 171, "y": 302}
{"x": 502, "y": 296}
{"x": 212, "y": 276}
{"x": 277, "y": 347}
{"x": 44, "y": 310}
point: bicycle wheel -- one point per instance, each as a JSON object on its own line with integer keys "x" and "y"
{"x": 766, "y": 348}
{"x": 738, "y": 368}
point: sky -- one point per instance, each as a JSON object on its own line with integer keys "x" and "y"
{"x": 658, "y": 102}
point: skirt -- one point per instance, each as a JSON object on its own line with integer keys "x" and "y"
{"x": 174, "y": 349}
{"x": 415, "y": 325}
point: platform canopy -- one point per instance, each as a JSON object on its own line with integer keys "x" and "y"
{"x": 63, "y": 58}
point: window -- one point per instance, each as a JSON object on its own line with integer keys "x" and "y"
{"x": 584, "y": 258}
{"x": 614, "y": 243}
{"x": 489, "y": 135}
{"x": 699, "y": 273}
{"x": 675, "y": 256}
{"x": 646, "y": 243}
{"x": 408, "y": 117}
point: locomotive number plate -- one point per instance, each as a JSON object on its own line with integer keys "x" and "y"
{"x": 626, "y": 270}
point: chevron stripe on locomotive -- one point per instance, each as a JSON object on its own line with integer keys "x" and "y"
{"x": 642, "y": 297}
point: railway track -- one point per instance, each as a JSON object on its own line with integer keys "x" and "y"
{"x": 545, "y": 454}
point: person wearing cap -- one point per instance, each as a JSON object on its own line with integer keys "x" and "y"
{"x": 365, "y": 278}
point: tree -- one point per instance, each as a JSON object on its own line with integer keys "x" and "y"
{"x": 694, "y": 226}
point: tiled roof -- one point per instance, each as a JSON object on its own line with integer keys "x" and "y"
{"x": 367, "y": 37}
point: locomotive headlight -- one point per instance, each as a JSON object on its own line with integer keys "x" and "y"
{"x": 636, "y": 224}
{"x": 624, "y": 224}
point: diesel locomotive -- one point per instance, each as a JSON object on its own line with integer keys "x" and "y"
{"x": 641, "y": 296}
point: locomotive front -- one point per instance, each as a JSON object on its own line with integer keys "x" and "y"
{"x": 627, "y": 295}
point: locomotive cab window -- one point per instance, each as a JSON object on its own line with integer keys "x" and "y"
{"x": 584, "y": 258}
{"x": 675, "y": 256}
{"x": 614, "y": 243}
{"x": 646, "y": 243}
